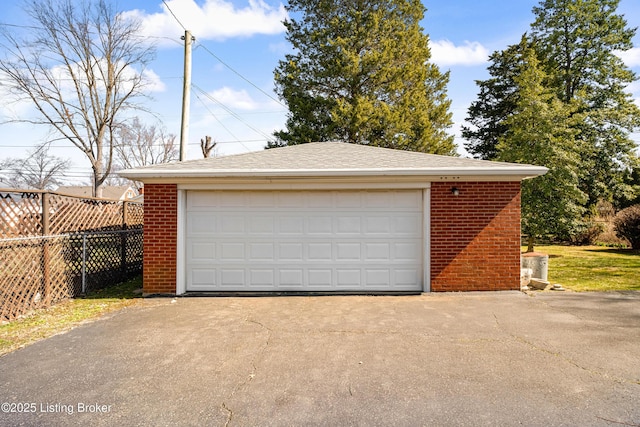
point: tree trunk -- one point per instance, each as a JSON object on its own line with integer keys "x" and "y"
{"x": 531, "y": 241}
{"x": 97, "y": 182}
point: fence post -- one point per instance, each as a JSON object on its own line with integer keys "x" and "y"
{"x": 84, "y": 262}
{"x": 46, "y": 273}
{"x": 123, "y": 240}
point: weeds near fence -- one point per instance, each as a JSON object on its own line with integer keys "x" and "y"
{"x": 68, "y": 314}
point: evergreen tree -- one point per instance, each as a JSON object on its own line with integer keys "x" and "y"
{"x": 575, "y": 42}
{"x": 360, "y": 73}
{"x": 539, "y": 131}
{"x": 578, "y": 40}
{"x": 495, "y": 103}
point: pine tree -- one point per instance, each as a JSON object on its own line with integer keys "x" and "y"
{"x": 576, "y": 43}
{"x": 495, "y": 103}
{"x": 540, "y": 132}
{"x": 360, "y": 73}
{"x": 578, "y": 40}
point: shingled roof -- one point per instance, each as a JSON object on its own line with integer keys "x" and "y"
{"x": 332, "y": 159}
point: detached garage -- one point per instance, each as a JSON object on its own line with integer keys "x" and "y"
{"x": 331, "y": 217}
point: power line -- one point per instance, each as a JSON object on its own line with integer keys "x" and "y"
{"x": 140, "y": 36}
{"x": 30, "y": 27}
{"x": 157, "y": 37}
{"x": 214, "y": 116}
{"x": 240, "y": 75}
{"x": 174, "y": 15}
{"x": 221, "y": 124}
{"x": 235, "y": 115}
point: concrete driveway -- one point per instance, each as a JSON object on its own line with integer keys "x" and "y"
{"x": 440, "y": 359}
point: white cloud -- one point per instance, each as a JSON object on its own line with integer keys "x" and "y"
{"x": 17, "y": 105}
{"x": 630, "y": 57}
{"x": 634, "y": 90}
{"x": 444, "y": 52}
{"x": 281, "y": 48}
{"x": 153, "y": 81}
{"x": 234, "y": 99}
{"x": 213, "y": 20}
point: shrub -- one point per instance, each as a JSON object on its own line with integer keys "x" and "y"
{"x": 588, "y": 235}
{"x": 627, "y": 225}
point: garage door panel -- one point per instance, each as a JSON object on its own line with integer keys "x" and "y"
{"x": 202, "y": 251}
{"x": 348, "y": 278}
{"x": 291, "y": 278}
{"x": 407, "y": 199}
{"x": 232, "y": 278}
{"x": 290, "y": 251}
{"x": 321, "y": 251}
{"x": 315, "y": 241}
{"x": 320, "y": 200}
{"x": 262, "y": 225}
{"x": 408, "y": 251}
{"x": 203, "y": 279}
{"x": 201, "y": 199}
{"x": 348, "y": 251}
{"x": 377, "y": 251}
{"x": 232, "y": 251}
{"x": 289, "y": 199}
{"x": 261, "y": 277}
{"x": 320, "y": 278}
{"x": 355, "y": 200}
{"x": 261, "y": 251}
{"x": 348, "y": 225}
{"x": 229, "y": 200}
{"x": 320, "y": 225}
{"x": 377, "y": 278}
{"x": 263, "y": 199}
{"x": 406, "y": 225}
{"x": 291, "y": 225}
{"x": 405, "y": 277}
{"x": 376, "y": 200}
{"x": 231, "y": 224}
{"x": 380, "y": 225}
{"x": 199, "y": 224}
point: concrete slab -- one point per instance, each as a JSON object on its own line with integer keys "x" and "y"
{"x": 436, "y": 359}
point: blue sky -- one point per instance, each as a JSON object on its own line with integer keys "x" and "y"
{"x": 238, "y": 44}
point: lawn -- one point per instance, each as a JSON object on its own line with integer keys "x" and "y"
{"x": 67, "y": 314}
{"x": 593, "y": 268}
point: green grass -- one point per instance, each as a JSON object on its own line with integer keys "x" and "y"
{"x": 593, "y": 268}
{"x": 67, "y": 314}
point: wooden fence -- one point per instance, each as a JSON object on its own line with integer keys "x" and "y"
{"x": 54, "y": 247}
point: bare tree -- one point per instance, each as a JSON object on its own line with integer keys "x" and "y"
{"x": 38, "y": 170}
{"x": 141, "y": 145}
{"x": 82, "y": 66}
{"x": 207, "y": 146}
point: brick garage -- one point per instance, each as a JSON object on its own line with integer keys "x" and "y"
{"x": 332, "y": 217}
{"x": 160, "y": 238}
{"x": 475, "y": 237}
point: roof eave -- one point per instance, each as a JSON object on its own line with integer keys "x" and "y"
{"x": 512, "y": 172}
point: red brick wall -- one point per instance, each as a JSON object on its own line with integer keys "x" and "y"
{"x": 160, "y": 238}
{"x": 475, "y": 236}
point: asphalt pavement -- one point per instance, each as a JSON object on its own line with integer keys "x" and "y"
{"x": 495, "y": 358}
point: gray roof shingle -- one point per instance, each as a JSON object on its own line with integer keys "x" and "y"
{"x": 331, "y": 158}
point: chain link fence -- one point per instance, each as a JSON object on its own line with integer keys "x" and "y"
{"x": 54, "y": 247}
{"x": 36, "y": 272}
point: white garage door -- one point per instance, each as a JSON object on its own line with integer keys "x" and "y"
{"x": 304, "y": 240}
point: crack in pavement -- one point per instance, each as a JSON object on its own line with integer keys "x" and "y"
{"x": 253, "y": 372}
{"x": 560, "y": 355}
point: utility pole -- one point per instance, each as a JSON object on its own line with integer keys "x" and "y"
{"x": 186, "y": 95}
